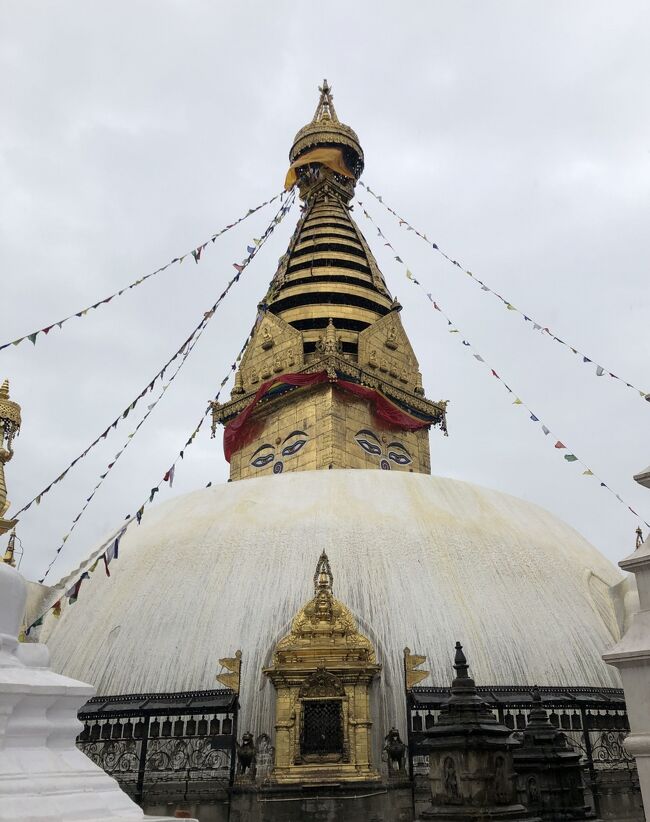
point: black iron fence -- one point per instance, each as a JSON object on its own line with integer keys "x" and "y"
{"x": 163, "y": 746}
{"x": 593, "y": 719}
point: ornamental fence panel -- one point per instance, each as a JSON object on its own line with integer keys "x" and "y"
{"x": 164, "y": 747}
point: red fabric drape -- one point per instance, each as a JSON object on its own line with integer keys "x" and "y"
{"x": 383, "y": 408}
{"x": 234, "y": 431}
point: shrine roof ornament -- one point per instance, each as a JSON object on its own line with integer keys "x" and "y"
{"x": 324, "y": 627}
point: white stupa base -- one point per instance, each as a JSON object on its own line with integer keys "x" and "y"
{"x": 44, "y": 777}
{"x": 632, "y": 658}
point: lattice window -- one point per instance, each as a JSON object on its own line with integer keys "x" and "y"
{"x": 322, "y": 727}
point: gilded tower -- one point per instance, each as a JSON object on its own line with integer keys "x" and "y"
{"x": 329, "y": 378}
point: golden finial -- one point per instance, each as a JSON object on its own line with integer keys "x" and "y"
{"x": 11, "y": 549}
{"x": 329, "y": 342}
{"x": 238, "y": 387}
{"x": 323, "y": 577}
{"x": 9, "y": 427}
{"x": 325, "y": 108}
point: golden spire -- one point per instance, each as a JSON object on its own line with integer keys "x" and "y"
{"x": 323, "y": 577}
{"x": 9, "y": 427}
{"x": 328, "y": 312}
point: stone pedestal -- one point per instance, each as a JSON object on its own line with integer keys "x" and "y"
{"x": 43, "y": 776}
{"x": 549, "y": 775}
{"x": 632, "y": 658}
{"x": 470, "y": 759}
{"x": 343, "y": 803}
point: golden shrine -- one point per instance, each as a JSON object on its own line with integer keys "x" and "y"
{"x": 329, "y": 378}
{"x": 322, "y": 671}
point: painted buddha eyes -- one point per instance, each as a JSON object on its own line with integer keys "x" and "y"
{"x": 293, "y": 448}
{"x": 263, "y": 458}
{"x": 266, "y": 454}
{"x": 395, "y": 451}
{"x": 401, "y": 457}
{"x": 370, "y": 447}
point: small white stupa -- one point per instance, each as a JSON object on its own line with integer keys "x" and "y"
{"x": 43, "y": 776}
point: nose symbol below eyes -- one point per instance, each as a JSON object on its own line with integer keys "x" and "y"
{"x": 385, "y": 465}
{"x": 277, "y": 468}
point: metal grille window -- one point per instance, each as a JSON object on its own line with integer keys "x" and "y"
{"x": 322, "y": 727}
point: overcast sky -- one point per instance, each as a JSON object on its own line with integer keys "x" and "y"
{"x": 516, "y": 135}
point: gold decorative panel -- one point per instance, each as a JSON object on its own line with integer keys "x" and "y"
{"x": 322, "y": 672}
{"x": 275, "y": 348}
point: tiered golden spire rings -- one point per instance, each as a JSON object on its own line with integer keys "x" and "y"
{"x": 9, "y": 427}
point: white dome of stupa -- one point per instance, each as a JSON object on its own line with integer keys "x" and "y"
{"x": 421, "y": 562}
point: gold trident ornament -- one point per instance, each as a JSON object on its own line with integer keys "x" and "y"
{"x": 9, "y": 427}
{"x": 233, "y": 666}
{"x": 411, "y": 675}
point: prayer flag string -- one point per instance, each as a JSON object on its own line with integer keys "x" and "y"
{"x": 187, "y": 349}
{"x": 109, "y": 550}
{"x": 569, "y": 457}
{"x": 252, "y": 250}
{"x": 599, "y": 370}
{"x": 195, "y": 253}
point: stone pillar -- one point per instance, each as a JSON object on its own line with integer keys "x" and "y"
{"x": 549, "y": 774}
{"x": 632, "y": 658}
{"x": 44, "y": 777}
{"x": 470, "y": 759}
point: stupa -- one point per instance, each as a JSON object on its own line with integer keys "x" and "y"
{"x": 327, "y": 435}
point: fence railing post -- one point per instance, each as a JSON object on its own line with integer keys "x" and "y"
{"x": 142, "y": 764}
{"x": 590, "y": 760}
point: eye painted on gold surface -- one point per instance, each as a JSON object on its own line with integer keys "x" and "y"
{"x": 293, "y": 442}
{"x": 398, "y": 453}
{"x": 368, "y": 441}
{"x": 263, "y": 456}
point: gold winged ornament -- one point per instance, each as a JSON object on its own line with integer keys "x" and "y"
{"x": 233, "y": 668}
{"x": 411, "y": 662}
